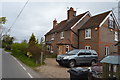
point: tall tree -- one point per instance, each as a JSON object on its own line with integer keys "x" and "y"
{"x": 7, "y": 42}
{"x": 32, "y": 40}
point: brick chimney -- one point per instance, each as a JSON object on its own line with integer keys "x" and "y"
{"x": 71, "y": 13}
{"x": 54, "y": 23}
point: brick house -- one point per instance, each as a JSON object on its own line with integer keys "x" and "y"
{"x": 100, "y": 33}
{"x": 118, "y": 44}
{"x": 63, "y": 37}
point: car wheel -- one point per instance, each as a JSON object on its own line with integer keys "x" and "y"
{"x": 60, "y": 64}
{"x": 93, "y": 62}
{"x": 72, "y": 63}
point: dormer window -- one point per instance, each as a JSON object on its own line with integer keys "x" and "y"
{"x": 62, "y": 35}
{"x": 52, "y": 37}
{"x": 116, "y": 36}
{"x": 111, "y": 22}
{"x": 87, "y": 33}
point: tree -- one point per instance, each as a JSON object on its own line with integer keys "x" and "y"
{"x": 34, "y": 48}
{"x": 3, "y": 20}
{"x": 7, "y": 42}
{"x": 32, "y": 40}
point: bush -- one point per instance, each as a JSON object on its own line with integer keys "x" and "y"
{"x": 19, "y": 48}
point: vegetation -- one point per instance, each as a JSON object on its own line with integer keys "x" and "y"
{"x": 36, "y": 49}
{"x": 3, "y": 20}
{"x": 19, "y": 50}
{"x": 29, "y": 53}
{"x": 7, "y": 42}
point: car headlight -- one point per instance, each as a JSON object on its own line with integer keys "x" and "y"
{"x": 66, "y": 57}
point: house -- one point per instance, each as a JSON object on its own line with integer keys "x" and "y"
{"x": 100, "y": 33}
{"x": 118, "y": 44}
{"x": 63, "y": 37}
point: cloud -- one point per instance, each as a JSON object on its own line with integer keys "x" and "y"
{"x": 37, "y": 17}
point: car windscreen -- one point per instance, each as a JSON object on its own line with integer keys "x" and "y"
{"x": 73, "y": 52}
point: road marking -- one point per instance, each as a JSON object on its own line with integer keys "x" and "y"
{"x": 23, "y": 67}
{"x": 30, "y": 75}
{"x": 20, "y": 63}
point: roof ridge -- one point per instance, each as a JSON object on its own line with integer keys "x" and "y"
{"x": 102, "y": 13}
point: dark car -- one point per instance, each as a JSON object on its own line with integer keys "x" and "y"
{"x": 77, "y": 56}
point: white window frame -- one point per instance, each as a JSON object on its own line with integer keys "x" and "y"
{"x": 48, "y": 47}
{"x": 53, "y": 37}
{"x": 87, "y": 47}
{"x": 106, "y": 51}
{"x": 89, "y": 32}
{"x": 116, "y": 36}
{"x": 111, "y": 23}
{"x": 62, "y": 35}
{"x": 67, "y": 47}
{"x": 51, "y": 49}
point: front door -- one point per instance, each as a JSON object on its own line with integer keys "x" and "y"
{"x": 60, "y": 49}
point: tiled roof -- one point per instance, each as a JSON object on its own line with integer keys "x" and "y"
{"x": 66, "y": 24}
{"x": 95, "y": 21}
{"x": 64, "y": 42}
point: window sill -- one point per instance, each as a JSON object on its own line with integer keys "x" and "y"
{"x": 52, "y": 39}
{"x": 88, "y": 38}
{"x": 62, "y": 38}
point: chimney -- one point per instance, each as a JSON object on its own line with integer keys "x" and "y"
{"x": 71, "y": 13}
{"x": 54, "y": 23}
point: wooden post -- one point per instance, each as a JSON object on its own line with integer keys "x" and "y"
{"x": 105, "y": 70}
{"x": 41, "y": 58}
{"x": 118, "y": 72}
{"x": 111, "y": 70}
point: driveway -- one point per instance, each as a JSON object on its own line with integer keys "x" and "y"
{"x": 53, "y": 70}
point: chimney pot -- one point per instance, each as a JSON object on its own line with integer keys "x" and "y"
{"x": 71, "y": 13}
{"x": 54, "y": 23}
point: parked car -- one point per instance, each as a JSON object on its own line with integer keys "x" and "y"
{"x": 77, "y": 56}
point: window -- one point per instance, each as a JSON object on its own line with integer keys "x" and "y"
{"x": 87, "y": 47}
{"x": 111, "y": 22}
{"x": 62, "y": 35}
{"x": 116, "y": 36}
{"x": 88, "y": 53}
{"x": 106, "y": 51}
{"x": 48, "y": 47}
{"x": 52, "y": 37}
{"x": 51, "y": 49}
{"x": 87, "y": 33}
{"x": 67, "y": 48}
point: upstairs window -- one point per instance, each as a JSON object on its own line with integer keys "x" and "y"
{"x": 111, "y": 22}
{"x": 62, "y": 35}
{"x": 52, "y": 37}
{"x": 116, "y": 36}
{"x": 87, "y": 33}
{"x": 87, "y": 47}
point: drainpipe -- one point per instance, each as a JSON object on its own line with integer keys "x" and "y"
{"x": 78, "y": 38}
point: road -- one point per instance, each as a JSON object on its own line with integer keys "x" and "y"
{"x": 12, "y": 68}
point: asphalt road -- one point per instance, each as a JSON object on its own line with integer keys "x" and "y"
{"x": 12, "y": 68}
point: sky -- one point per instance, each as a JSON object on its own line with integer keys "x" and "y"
{"x": 37, "y": 17}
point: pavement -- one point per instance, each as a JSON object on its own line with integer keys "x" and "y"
{"x": 13, "y": 68}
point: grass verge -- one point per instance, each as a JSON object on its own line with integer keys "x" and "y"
{"x": 26, "y": 60}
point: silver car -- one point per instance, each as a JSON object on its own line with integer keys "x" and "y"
{"x": 78, "y": 56}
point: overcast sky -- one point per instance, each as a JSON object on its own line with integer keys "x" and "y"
{"x": 37, "y": 17}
